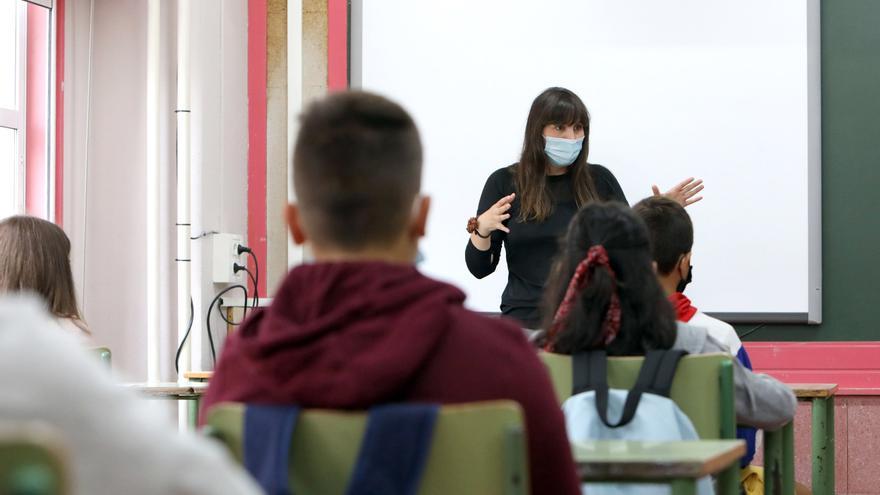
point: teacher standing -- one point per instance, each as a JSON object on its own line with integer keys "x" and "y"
{"x": 526, "y": 207}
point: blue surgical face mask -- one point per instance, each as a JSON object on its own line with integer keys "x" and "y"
{"x": 562, "y": 152}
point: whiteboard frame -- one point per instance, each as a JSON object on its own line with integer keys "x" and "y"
{"x": 813, "y": 316}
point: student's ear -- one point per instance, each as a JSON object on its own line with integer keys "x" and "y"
{"x": 684, "y": 265}
{"x": 294, "y": 223}
{"x": 419, "y": 224}
{"x": 654, "y": 266}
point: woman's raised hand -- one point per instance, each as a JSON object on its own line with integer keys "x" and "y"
{"x": 683, "y": 193}
{"x": 493, "y": 218}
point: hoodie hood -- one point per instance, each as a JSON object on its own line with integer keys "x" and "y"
{"x": 341, "y": 335}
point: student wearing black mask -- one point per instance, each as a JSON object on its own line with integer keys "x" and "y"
{"x": 672, "y": 238}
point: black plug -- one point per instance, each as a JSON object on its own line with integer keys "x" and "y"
{"x": 244, "y": 249}
{"x": 237, "y": 268}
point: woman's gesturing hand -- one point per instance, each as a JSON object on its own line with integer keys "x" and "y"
{"x": 683, "y": 193}
{"x": 493, "y": 218}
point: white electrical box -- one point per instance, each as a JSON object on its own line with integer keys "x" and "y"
{"x": 224, "y": 256}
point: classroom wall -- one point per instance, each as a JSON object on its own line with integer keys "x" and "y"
{"x": 106, "y": 221}
{"x": 850, "y": 179}
{"x": 108, "y": 238}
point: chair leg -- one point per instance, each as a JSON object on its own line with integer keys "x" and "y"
{"x": 686, "y": 486}
{"x": 823, "y": 446}
{"x": 788, "y": 459}
{"x": 729, "y": 480}
{"x": 773, "y": 443}
{"x": 194, "y": 414}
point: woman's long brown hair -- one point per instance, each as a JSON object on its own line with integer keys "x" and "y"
{"x": 35, "y": 256}
{"x": 554, "y": 106}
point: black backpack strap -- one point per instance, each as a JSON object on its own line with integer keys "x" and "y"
{"x": 665, "y": 372}
{"x": 589, "y": 371}
{"x": 644, "y": 383}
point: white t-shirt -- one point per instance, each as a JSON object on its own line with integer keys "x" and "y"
{"x": 118, "y": 443}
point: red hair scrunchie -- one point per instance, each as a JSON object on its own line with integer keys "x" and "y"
{"x": 597, "y": 256}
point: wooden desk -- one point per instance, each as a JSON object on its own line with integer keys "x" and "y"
{"x": 821, "y": 396}
{"x": 680, "y": 464}
{"x": 231, "y": 304}
{"x": 198, "y": 376}
{"x": 174, "y": 391}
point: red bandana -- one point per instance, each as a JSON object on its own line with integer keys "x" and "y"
{"x": 683, "y": 309}
{"x": 596, "y": 256}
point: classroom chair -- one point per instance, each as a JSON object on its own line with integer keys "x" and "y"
{"x": 703, "y": 390}
{"x": 31, "y": 460}
{"x": 476, "y": 448}
{"x": 103, "y": 354}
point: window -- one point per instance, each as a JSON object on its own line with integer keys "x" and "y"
{"x": 11, "y": 156}
{"x": 25, "y": 98}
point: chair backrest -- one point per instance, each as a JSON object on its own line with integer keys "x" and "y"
{"x": 702, "y": 388}
{"x": 476, "y": 448}
{"x": 103, "y": 354}
{"x": 31, "y": 460}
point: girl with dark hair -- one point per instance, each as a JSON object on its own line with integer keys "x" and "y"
{"x": 603, "y": 293}
{"x": 35, "y": 257}
{"x": 526, "y": 207}
{"x": 603, "y": 272}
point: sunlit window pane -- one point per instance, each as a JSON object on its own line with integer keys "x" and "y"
{"x": 7, "y": 171}
{"x": 8, "y": 52}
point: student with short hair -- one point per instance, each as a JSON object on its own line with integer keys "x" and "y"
{"x": 361, "y": 326}
{"x": 603, "y": 294}
{"x": 672, "y": 237}
{"x": 35, "y": 257}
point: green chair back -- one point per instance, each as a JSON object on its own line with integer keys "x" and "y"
{"x": 31, "y": 460}
{"x": 477, "y": 448}
{"x": 103, "y": 354}
{"x": 702, "y": 388}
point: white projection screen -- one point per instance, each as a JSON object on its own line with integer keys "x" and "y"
{"x": 726, "y": 91}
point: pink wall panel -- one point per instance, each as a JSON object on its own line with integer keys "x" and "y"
{"x": 37, "y": 112}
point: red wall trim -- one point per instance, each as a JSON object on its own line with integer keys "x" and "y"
{"x": 59, "y": 112}
{"x": 37, "y": 112}
{"x": 853, "y": 366}
{"x": 337, "y": 44}
{"x": 257, "y": 78}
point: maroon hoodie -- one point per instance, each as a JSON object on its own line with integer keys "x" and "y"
{"x": 351, "y": 335}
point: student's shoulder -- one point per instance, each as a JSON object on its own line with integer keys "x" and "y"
{"x": 719, "y": 330}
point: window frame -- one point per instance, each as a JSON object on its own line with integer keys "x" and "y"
{"x": 15, "y": 118}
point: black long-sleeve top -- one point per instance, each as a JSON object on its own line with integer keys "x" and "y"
{"x": 531, "y": 246}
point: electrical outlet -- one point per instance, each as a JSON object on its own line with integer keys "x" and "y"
{"x": 224, "y": 255}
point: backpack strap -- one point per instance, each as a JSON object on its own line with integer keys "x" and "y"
{"x": 394, "y": 450}
{"x": 662, "y": 370}
{"x": 268, "y": 432}
{"x": 590, "y": 372}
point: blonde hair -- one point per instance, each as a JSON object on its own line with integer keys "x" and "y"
{"x": 35, "y": 256}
